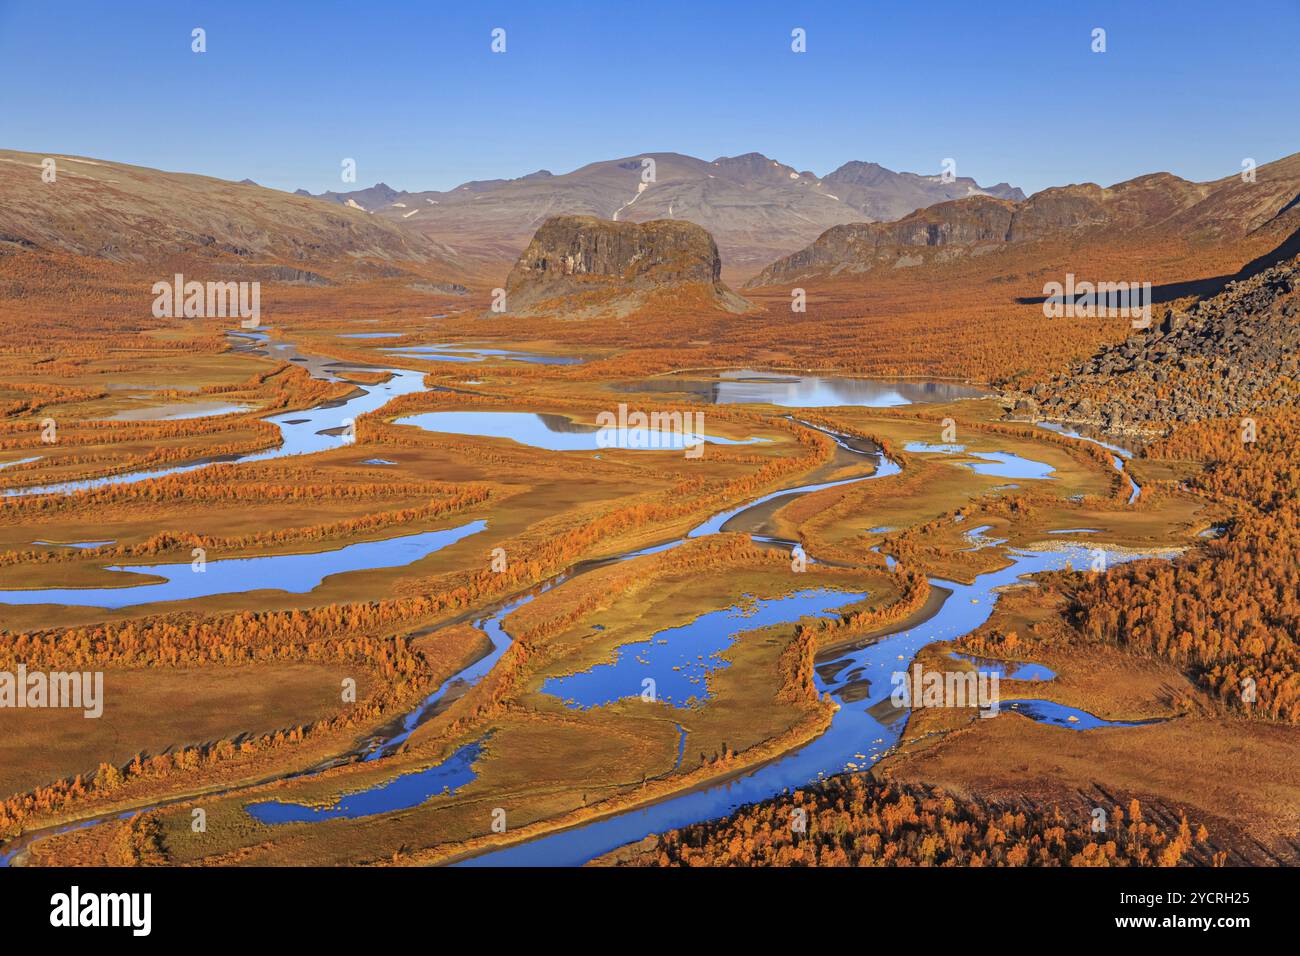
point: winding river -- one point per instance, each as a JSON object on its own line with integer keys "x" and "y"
{"x": 865, "y": 726}
{"x": 320, "y": 428}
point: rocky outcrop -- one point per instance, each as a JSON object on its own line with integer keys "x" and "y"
{"x": 583, "y": 265}
{"x": 1228, "y": 355}
{"x": 857, "y": 247}
{"x": 440, "y": 288}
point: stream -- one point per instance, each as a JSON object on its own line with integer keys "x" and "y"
{"x": 301, "y": 432}
{"x": 865, "y": 726}
{"x": 1117, "y": 462}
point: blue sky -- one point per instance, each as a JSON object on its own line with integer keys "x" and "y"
{"x": 412, "y": 91}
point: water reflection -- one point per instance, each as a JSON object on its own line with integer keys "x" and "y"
{"x": 807, "y": 391}
{"x": 553, "y": 432}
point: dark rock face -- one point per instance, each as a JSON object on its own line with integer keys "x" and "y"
{"x": 295, "y": 276}
{"x": 578, "y": 256}
{"x": 440, "y": 288}
{"x": 583, "y": 246}
{"x": 859, "y": 246}
{"x": 1231, "y": 354}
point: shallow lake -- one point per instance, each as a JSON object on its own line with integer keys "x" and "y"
{"x": 552, "y": 432}
{"x": 400, "y": 793}
{"x": 296, "y": 573}
{"x": 1059, "y": 715}
{"x": 979, "y": 540}
{"x": 75, "y": 544}
{"x": 678, "y": 660}
{"x": 793, "y": 390}
{"x": 1008, "y": 670}
{"x": 474, "y": 353}
{"x": 996, "y": 464}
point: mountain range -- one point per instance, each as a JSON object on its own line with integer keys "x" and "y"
{"x": 772, "y": 224}
{"x": 756, "y": 208}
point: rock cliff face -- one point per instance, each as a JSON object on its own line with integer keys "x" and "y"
{"x": 1228, "y": 355}
{"x": 859, "y": 246}
{"x": 583, "y": 266}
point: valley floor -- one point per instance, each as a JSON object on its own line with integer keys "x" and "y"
{"x": 396, "y": 606}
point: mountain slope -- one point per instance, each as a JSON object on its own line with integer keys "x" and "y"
{"x": 132, "y": 214}
{"x": 1157, "y": 204}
